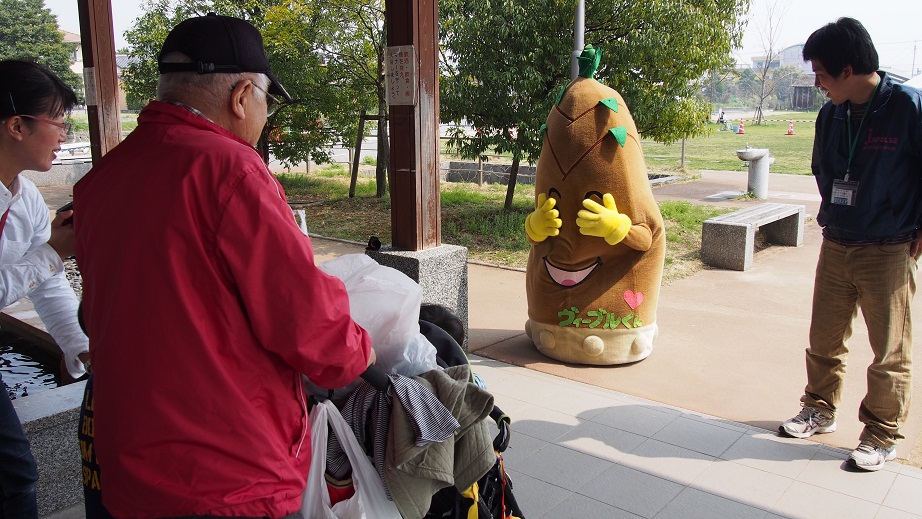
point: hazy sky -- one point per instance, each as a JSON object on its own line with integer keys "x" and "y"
{"x": 895, "y": 25}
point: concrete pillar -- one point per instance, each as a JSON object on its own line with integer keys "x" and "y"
{"x": 440, "y": 271}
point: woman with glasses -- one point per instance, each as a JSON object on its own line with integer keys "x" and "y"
{"x": 33, "y": 104}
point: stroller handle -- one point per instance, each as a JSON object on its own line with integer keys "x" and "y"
{"x": 378, "y": 380}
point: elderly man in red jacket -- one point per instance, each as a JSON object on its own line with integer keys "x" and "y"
{"x": 201, "y": 297}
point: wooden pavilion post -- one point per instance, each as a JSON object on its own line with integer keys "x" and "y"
{"x": 413, "y": 96}
{"x": 100, "y": 75}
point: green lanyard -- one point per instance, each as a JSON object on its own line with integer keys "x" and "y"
{"x": 853, "y": 143}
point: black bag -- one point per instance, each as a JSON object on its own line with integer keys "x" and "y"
{"x": 494, "y": 498}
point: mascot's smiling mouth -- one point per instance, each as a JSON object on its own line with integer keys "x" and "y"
{"x": 569, "y": 278}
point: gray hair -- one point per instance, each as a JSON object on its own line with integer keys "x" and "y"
{"x": 206, "y": 92}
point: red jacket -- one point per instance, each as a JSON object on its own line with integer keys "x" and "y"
{"x": 203, "y": 304}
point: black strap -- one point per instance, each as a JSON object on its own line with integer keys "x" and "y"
{"x": 200, "y": 67}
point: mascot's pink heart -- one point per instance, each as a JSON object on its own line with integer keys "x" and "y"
{"x": 633, "y": 299}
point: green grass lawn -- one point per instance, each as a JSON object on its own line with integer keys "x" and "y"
{"x": 472, "y": 216}
{"x": 717, "y": 149}
{"x": 714, "y": 150}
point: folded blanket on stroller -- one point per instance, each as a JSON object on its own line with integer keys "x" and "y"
{"x": 414, "y": 473}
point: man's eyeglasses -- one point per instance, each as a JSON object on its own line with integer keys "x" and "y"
{"x": 65, "y": 127}
{"x": 272, "y": 103}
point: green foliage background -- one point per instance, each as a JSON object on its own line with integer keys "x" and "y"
{"x": 29, "y": 31}
{"x": 504, "y": 62}
{"x": 325, "y": 52}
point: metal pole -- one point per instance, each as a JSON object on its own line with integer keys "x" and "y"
{"x": 912, "y": 71}
{"x": 579, "y": 29}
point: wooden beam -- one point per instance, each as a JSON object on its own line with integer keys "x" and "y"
{"x": 100, "y": 75}
{"x": 414, "y": 128}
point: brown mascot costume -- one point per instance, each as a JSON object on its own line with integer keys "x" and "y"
{"x": 598, "y": 243}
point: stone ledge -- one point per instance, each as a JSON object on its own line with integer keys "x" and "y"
{"x": 50, "y": 420}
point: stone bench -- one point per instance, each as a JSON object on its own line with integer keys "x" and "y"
{"x": 728, "y": 241}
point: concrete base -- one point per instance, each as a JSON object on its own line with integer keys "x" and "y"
{"x": 440, "y": 271}
{"x": 50, "y": 420}
{"x": 59, "y": 174}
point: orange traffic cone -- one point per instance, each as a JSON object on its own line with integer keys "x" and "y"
{"x": 741, "y": 130}
{"x": 790, "y": 127}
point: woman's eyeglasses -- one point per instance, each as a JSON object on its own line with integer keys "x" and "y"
{"x": 65, "y": 127}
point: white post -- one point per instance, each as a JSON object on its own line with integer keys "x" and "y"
{"x": 579, "y": 29}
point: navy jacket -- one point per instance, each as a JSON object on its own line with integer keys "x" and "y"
{"x": 887, "y": 164}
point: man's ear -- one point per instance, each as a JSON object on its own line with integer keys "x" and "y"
{"x": 241, "y": 99}
{"x": 847, "y": 72}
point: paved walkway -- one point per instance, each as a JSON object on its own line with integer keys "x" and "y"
{"x": 579, "y": 450}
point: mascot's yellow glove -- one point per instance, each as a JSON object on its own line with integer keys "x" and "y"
{"x": 603, "y": 221}
{"x": 544, "y": 221}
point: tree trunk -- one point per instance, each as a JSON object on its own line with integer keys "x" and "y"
{"x": 384, "y": 149}
{"x": 513, "y": 175}
{"x": 358, "y": 153}
{"x": 384, "y": 153}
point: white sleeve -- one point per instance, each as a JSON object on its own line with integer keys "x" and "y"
{"x": 56, "y": 305}
{"x": 21, "y": 277}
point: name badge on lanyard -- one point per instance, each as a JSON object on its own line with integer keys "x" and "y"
{"x": 844, "y": 192}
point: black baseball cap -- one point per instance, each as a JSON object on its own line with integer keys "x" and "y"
{"x": 219, "y": 44}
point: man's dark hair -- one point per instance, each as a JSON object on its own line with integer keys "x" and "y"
{"x": 28, "y": 88}
{"x": 840, "y": 44}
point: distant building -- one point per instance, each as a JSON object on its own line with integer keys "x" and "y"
{"x": 76, "y": 63}
{"x": 789, "y": 57}
{"x": 804, "y": 94}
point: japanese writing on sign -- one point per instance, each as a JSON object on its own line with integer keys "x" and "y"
{"x": 400, "y": 68}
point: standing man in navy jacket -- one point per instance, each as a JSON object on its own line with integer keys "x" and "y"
{"x": 867, "y": 160}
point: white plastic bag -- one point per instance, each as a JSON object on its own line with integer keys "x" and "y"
{"x": 369, "y": 501}
{"x": 385, "y": 302}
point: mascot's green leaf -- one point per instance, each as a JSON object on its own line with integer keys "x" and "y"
{"x": 612, "y": 103}
{"x": 542, "y": 129}
{"x": 589, "y": 61}
{"x": 561, "y": 93}
{"x": 620, "y": 134}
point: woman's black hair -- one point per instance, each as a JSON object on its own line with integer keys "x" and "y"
{"x": 28, "y": 88}
{"x": 840, "y": 44}
{"x": 444, "y": 319}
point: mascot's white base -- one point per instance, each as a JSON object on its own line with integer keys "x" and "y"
{"x": 599, "y": 347}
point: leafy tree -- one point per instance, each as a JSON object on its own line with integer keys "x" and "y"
{"x": 29, "y": 31}
{"x": 770, "y": 77}
{"x": 325, "y": 106}
{"x": 145, "y": 37}
{"x": 505, "y": 60}
{"x": 784, "y": 79}
{"x": 720, "y": 85}
{"x": 502, "y": 65}
{"x": 349, "y": 46}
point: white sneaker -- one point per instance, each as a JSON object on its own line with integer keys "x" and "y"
{"x": 809, "y": 421}
{"x": 871, "y": 457}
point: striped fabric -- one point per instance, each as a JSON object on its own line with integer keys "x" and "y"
{"x": 432, "y": 422}
{"x": 368, "y": 413}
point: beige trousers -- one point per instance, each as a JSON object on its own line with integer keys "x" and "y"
{"x": 881, "y": 281}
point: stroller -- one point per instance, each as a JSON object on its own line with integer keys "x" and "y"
{"x": 491, "y": 497}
